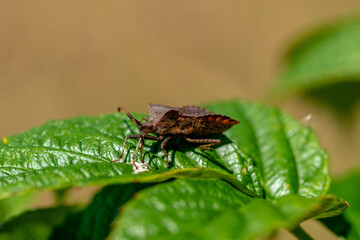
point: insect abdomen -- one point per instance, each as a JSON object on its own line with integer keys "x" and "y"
{"x": 196, "y": 126}
{"x": 212, "y": 125}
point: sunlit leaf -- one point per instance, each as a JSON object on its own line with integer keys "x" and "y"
{"x": 285, "y": 156}
{"x": 211, "y": 209}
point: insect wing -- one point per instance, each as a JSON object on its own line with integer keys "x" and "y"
{"x": 212, "y": 124}
{"x": 156, "y": 111}
{"x": 194, "y": 111}
{"x": 170, "y": 116}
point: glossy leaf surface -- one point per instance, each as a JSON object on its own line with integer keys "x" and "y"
{"x": 211, "y": 209}
{"x": 286, "y": 157}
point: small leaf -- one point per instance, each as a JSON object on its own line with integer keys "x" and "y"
{"x": 211, "y": 209}
{"x": 347, "y": 224}
{"x": 13, "y": 206}
{"x": 324, "y": 65}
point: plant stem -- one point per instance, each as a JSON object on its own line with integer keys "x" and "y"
{"x": 299, "y": 233}
{"x": 60, "y": 196}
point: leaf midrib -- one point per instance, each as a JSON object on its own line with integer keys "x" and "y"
{"x": 294, "y": 179}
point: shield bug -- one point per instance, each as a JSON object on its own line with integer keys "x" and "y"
{"x": 194, "y": 124}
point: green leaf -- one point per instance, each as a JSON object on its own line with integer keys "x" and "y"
{"x": 174, "y": 208}
{"x": 347, "y": 224}
{"x": 262, "y": 218}
{"x": 288, "y": 155}
{"x": 34, "y": 225}
{"x": 94, "y": 221}
{"x": 13, "y": 206}
{"x": 78, "y": 151}
{"x": 212, "y": 209}
{"x": 324, "y": 65}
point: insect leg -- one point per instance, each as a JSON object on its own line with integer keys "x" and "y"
{"x": 133, "y": 136}
{"x": 207, "y": 146}
{"x": 163, "y": 144}
{"x": 201, "y": 140}
{"x": 151, "y": 137}
{"x": 146, "y": 136}
{"x": 134, "y": 156}
{"x": 208, "y": 142}
{"x": 142, "y": 148}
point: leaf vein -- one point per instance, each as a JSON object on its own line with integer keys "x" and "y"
{"x": 292, "y": 166}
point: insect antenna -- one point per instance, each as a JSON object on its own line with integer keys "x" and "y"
{"x": 138, "y": 123}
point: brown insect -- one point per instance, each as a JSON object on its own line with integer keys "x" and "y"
{"x": 194, "y": 124}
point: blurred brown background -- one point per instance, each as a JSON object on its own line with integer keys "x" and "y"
{"x": 60, "y": 59}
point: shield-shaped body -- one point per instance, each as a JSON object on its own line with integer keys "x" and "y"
{"x": 191, "y": 121}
